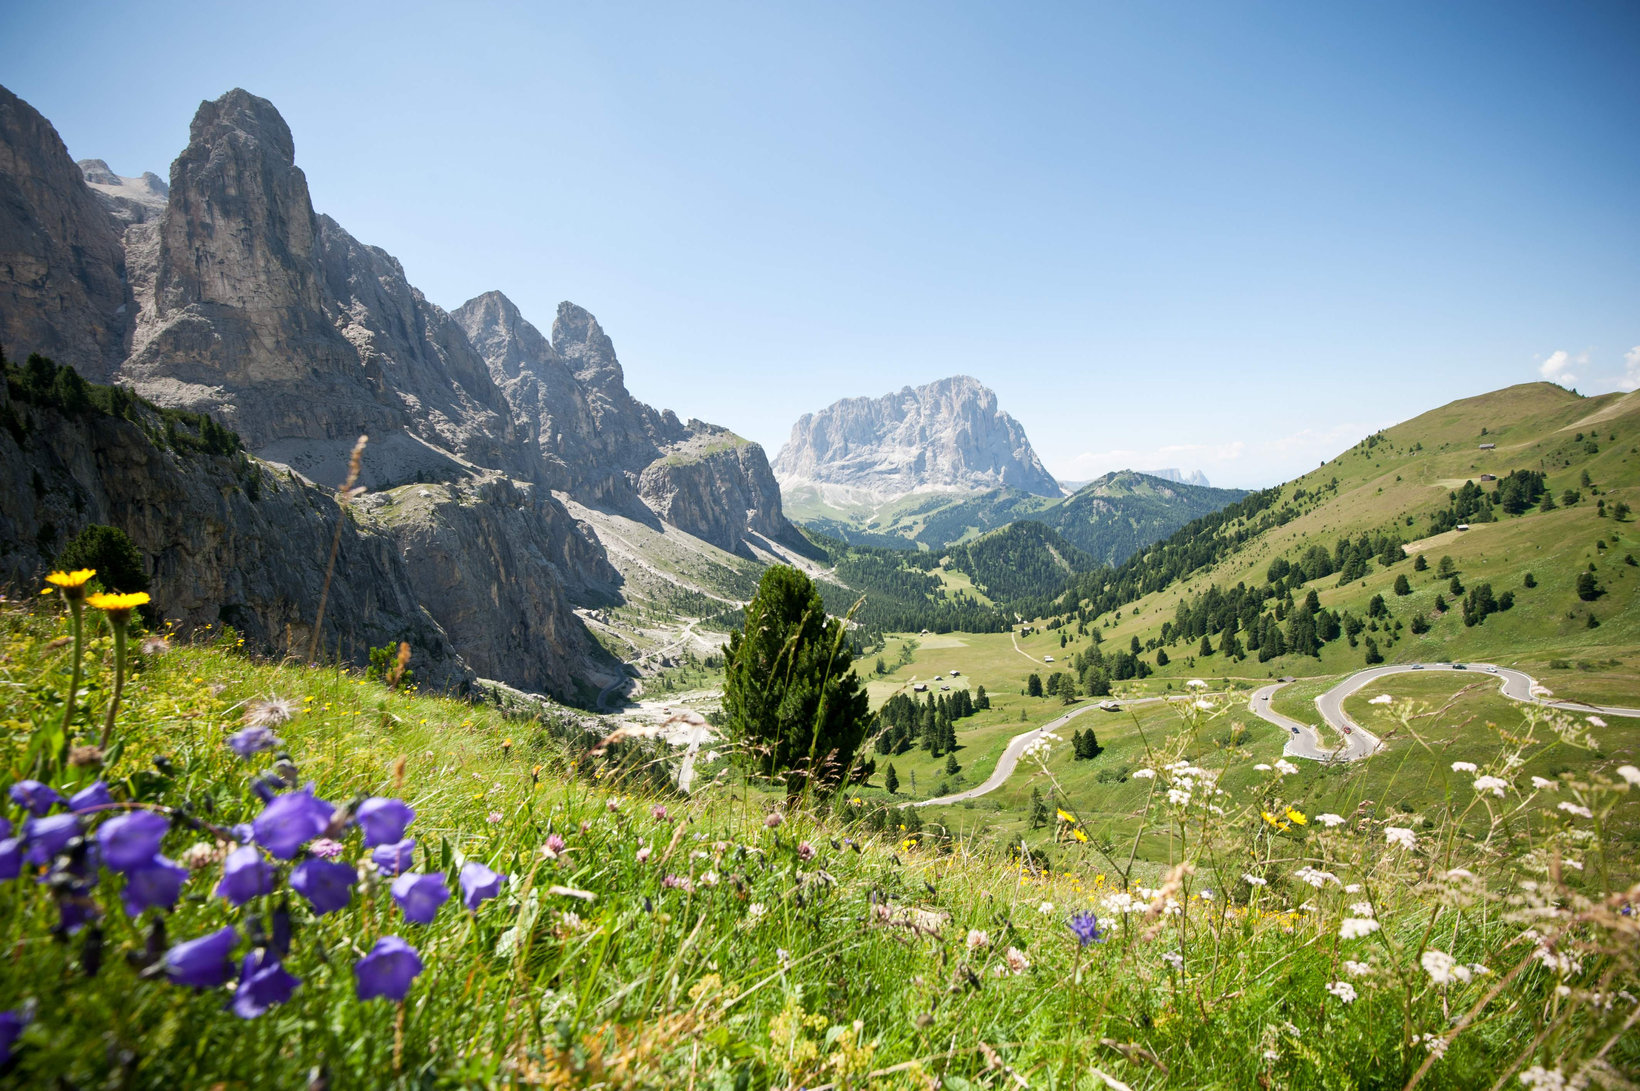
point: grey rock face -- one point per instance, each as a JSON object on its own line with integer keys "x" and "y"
{"x": 62, "y": 265}
{"x": 947, "y": 435}
{"x": 605, "y": 447}
{"x": 128, "y": 200}
{"x": 1194, "y": 477}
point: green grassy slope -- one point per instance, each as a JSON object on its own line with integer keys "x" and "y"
{"x": 1397, "y": 483}
{"x": 673, "y": 942}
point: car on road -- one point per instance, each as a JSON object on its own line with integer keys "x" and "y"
{"x": 1109, "y": 706}
{"x": 1491, "y": 670}
{"x": 1347, "y": 731}
{"x": 1295, "y": 731}
{"x": 1417, "y": 666}
{"x": 1459, "y": 667}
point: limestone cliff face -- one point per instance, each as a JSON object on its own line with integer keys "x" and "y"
{"x": 62, "y": 265}
{"x": 947, "y": 435}
{"x": 718, "y": 487}
{"x": 473, "y": 575}
{"x": 225, "y": 541}
{"x": 607, "y": 448}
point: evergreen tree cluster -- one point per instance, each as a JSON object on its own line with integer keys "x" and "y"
{"x": 1085, "y": 745}
{"x": 1479, "y": 603}
{"x": 904, "y": 722}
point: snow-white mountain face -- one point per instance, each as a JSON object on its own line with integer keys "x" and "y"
{"x": 946, "y": 436}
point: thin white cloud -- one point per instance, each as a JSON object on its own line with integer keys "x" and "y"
{"x": 1631, "y": 373}
{"x": 1558, "y": 367}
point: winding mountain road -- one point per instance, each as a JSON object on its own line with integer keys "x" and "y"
{"x": 1016, "y": 749}
{"x": 1360, "y": 743}
{"x": 1303, "y": 741}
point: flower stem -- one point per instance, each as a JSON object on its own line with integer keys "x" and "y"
{"x": 119, "y": 625}
{"x": 75, "y": 608}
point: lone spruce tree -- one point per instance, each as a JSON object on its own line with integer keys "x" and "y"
{"x": 791, "y": 700}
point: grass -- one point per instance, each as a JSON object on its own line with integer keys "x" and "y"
{"x": 686, "y": 941}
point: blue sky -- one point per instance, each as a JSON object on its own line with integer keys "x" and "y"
{"x": 1226, "y": 236}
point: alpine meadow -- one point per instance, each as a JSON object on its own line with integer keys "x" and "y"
{"x": 394, "y": 695}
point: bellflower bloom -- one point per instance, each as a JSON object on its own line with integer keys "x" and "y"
{"x": 156, "y": 884}
{"x": 419, "y": 896}
{"x": 384, "y": 820}
{"x": 90, "y": 798}
{"x": 202, "y": 963}
{"x": 290, "y": 821}
{"x": 479, "y": 884}
{"x": 244, "y": 876}
{"x": 38, "y": 798}
{"x": 46, "y": 837}
{"x": 394, "y": 859}
{"x": 253, "y": 740}
{"x": 132, "y": 839}
{"x": 1085, "y": 927}
{"x": 11, "y": 1028}
{"x": 263, "y": 982}
{"x": 325, "y": 885}
{"x": 11, "y": 858}
{"x": 387, "y": 970}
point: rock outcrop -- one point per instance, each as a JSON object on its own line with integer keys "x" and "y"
{"x": 224, "y": 292}
{"x": 948, "y": 435}
{"x": 62, "y": 263}
{"x": 608, "y": 449}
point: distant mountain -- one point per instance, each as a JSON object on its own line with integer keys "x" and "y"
{"x": 1194, "y": 477}
{"x": 946, "y": 436}
{"x": 1110, "y": 518}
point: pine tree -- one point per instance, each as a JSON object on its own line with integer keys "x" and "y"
{"x": 980, "y": 699}
{"x": 1207, "y": 646}
{"x": 951, "y": 766}
{"x": 1039, "y": 810}
{"x": 1033, "y": 686}
{"x": 891, "y": 780}
{"x": 1402, "y": 587}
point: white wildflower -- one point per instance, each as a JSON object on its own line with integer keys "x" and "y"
{"x": 1463, "y": 767}
{"x": 1442, "y": 968}
{"x": 1381, "y": 699}
{"x": 1629, "y": 773}
{"x": 1544, "y": 782}
{"x": 1538, "y": 1078}
{"x": 1495, "y": 785}
{"x": 1460, "y": 873}
{"x": 1016, "y": 961}
{"x": 1352, "y": 888}
{"x": 1399, "y": 835}
{"x": 1143, "y": 774}
{"x": 1045, "y": 908}
{"x": 1262, "y": 767}
{"x": 1357, "y": 927}
{"x": 978, "y": 939}
{"x": 1432, "y": 1043}
{"x": 1285, "y": 767}
{"x": 1577, "y": 809}
{"x": 1174, "y": 959}
{"x": 1196, "y": 683}
{"x": 1330, "y": 820}
{"x": 1204, "y": 705}
{"x": 1314, "y": 876}
{"x": 1178, "y": 797}
{"x": 1357, "y": 969}
{"x": 1343, "y": 990}
{"x": 1362, "y": 909}
{"x": 1254, "y": 880}
{"x": 755, "y": 911}
{"x": 1596, "y": 720}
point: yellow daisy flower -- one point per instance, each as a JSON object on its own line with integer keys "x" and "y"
{"x": 78, "y": 578}
{"x": 1296, "y": 817}
{"x": 118, "y": 607}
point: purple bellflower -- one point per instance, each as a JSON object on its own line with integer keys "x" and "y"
{"x": 420, "y": 896}
{"x": 253, "y": 740}
{"x": 384, "y": 820}
{"x": 387, "y": 970}
{"x": 202, "y": 963}
{"x": 155, "y": 885}
{"x": 290, "y": 821}
{"x": 479, "y": 884}
{"x": 395, "y": 859}
{"x": 263, "y": 982}
{"x": 38, "y": 798}
{"x": 327, "y": 886}
{"x": 46, "y": 837}
{"x": 92, "y": 798}
{"x": 131, "y": 840}
{"x": 244, "y": 876}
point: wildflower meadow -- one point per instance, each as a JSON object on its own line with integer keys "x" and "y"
{"x": 222, "y": 872}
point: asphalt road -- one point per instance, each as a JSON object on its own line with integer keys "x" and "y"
{"x": 1360, "y": 743}
{"x": 1016, "y": 748}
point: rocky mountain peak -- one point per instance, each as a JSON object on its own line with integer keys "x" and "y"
{"x": 586, "y": 348}
{"x": 945, "y": 435}
{"x": 503, "y": 336}
{"x": 243, "y": 117}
